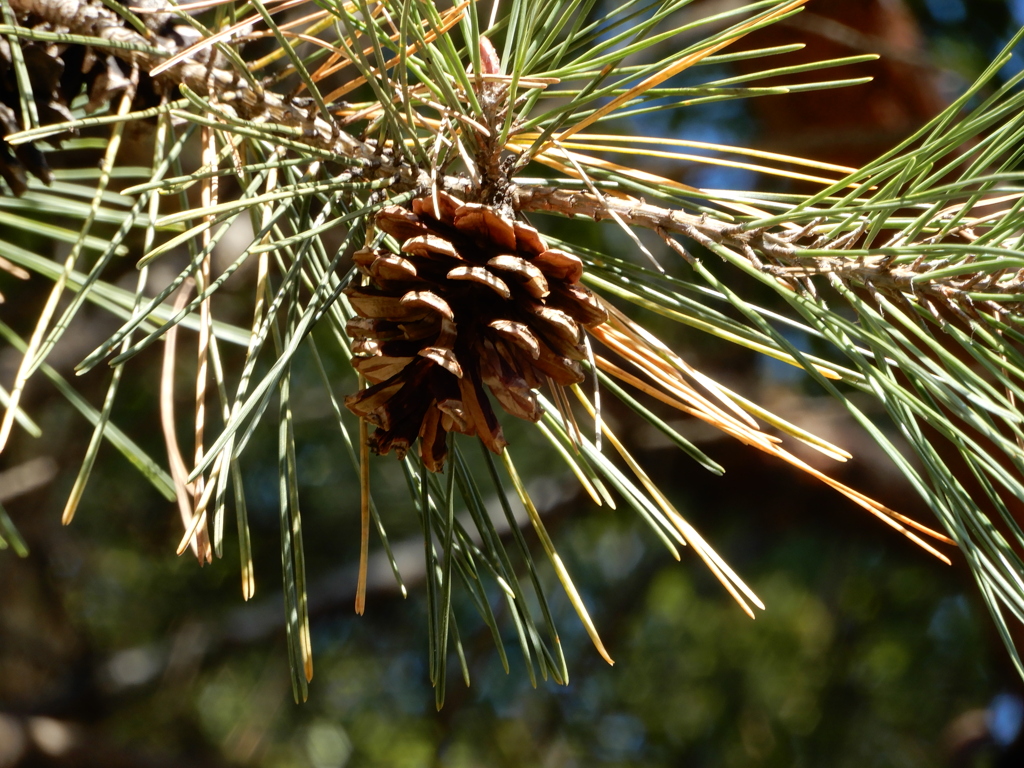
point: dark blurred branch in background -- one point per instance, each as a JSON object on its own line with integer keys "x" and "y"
{"x": 859, "y": 123}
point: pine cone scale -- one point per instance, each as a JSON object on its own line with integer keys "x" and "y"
{"x": 533, "y": 280}
{"x": 481, "y": 276}
{"x": 519, "y": 334}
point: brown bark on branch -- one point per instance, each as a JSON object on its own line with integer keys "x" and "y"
{"x": 782, "y": 256}
{"x": 230, "y": 93}
{"x": 224, "y": 87}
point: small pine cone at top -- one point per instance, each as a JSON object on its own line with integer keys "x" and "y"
{"x": 473, "y": 299}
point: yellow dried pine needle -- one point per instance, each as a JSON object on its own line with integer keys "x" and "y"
{"x": 704, "y": 160}
{"x": 364, "y": 511}
{"x": 576, "y": 470}
{"x": 729, "y": 580}
{"x": 724, "y": 148}
{"x": 757, "y": 440}
{"x": 556, "y": 561}
{"x": 448, "y": 20}
{"x": 675, "y": 68}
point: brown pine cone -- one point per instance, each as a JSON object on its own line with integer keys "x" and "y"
{"x": 59, "y": 72}
{"x": 472, "y": 299}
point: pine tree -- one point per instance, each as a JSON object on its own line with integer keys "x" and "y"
{"x": 397, "y": 163}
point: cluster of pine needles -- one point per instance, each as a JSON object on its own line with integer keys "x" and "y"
{"x": 904, "y": 276}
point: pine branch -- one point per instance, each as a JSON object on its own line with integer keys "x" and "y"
{"x": 448, "y": 303}
{"x": 779, "y": 253}
{"x": 227, "y": 89}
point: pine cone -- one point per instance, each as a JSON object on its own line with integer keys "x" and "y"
{"x": 472, "y": 299}
{"x": 59, "y": 72}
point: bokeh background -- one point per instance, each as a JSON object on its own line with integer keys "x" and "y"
{"x": 114, "y": 652}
